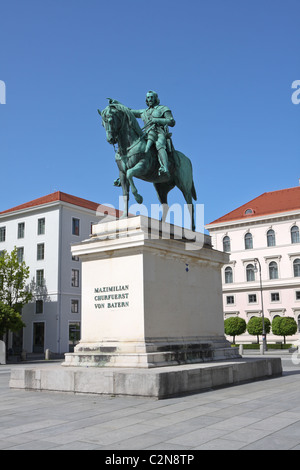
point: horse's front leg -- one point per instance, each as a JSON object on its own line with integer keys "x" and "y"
{"x": 137, "y": 171}
{"x": 125, "y": 190}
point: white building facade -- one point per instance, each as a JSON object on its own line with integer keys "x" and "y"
{"x": 261, "y": 236}
{"x": 43, "y": 231}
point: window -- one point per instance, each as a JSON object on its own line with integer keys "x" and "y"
{"x": 229, "y": 299}
{"x": 40, "y": 277}
{"x": 41, "y": 226}
{"x": 296, "y": 265}
{"x": 228, "y": 275}
{"x": 295, "y": 238}
{"x": 298, "y": 295}
{"x": 249, "y": 211}
{"x": 2, "y": 234}
{"x": 75, "y": 226}
{"x": 39, "y": 306}
{"x": 21, "y": 230}
{"x": 75, "y": 258}
{"x": 75, "y": 278}
{"x": 273, "y": 270}
{"x": 275, "y": 297}
{"x": 74, "y": 335}
{"x": 226, "y": 244}
{"x": 20, "y": 254}
{"x": 271, "y": 238}
{"x": 248, "y": 241}
{"x": 74, "y": 306}
{"x": 40, "y": 251}
{"x": 250, "y": 273}
{"x": 252, "y": 299}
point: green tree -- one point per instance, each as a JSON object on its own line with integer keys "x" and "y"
{"x": 10, "y": 320}
{"x": 14, "y": 293}
{"x": 255, "y": 326}
{"x": 284, "y": 326}
{"x": 234, "y": 326}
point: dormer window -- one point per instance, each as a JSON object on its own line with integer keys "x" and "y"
{"x": 249, "y": 211}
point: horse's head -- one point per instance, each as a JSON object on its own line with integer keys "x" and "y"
{"x": 111, "y": 122}
{"x": 119, "y": 121}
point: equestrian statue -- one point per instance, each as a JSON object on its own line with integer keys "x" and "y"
{"x": 148, "y": 153}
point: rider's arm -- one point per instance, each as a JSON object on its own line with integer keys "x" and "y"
{"x": 166, "y": 120}
{"x": 137, "y": 112}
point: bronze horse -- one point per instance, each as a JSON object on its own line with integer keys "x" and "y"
{"x": 122, "y": 128}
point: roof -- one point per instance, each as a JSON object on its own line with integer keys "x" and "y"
{"x": 274, "y": 202}
{"x": 60, "y": 196}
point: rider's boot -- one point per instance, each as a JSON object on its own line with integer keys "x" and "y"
{"x": 164, "y": 163}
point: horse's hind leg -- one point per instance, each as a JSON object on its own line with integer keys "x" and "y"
{"x": 189, "y": 200}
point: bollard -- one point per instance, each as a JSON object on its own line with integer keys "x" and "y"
{"x": 241, "y": 349}
{"x": 47, "y": 354}
{"x": 261, "y": 347}
{"x": 23, "y": 355}
{"x": 2, "y": 353}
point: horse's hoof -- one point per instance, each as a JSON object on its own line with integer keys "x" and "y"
{"x": 117, "y": 182}
{"x": 138, "y": 198}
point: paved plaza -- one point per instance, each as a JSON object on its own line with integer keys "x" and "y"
{"x": 258, "y": 415}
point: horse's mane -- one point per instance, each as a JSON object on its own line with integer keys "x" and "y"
{"x": 132, "y": 121}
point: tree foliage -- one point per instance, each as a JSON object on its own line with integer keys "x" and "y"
{"x": 284, "y": 326}
{"x": 255, "y": 326}
{"x": 10, "y": 320}
{"x": 14, "y": 293}
{"x": 234, "y": 326}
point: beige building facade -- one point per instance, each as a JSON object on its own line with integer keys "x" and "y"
{"x": 43, "y": 230}
{"x": 262, "y": 238}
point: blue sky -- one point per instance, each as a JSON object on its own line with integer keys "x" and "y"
{"x": 224, "y": 67}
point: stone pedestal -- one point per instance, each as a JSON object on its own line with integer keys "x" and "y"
{"x": 152, "y": 318}
{"x": 151, "y": 297}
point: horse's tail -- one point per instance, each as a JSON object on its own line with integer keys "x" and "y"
{"x": 184, "y": 174}
{"x": 194, "y": 194}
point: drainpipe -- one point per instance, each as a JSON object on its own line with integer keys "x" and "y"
{"x": 59, "y": 308}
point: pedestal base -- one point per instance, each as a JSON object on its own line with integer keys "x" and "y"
{"x": 150, "y": 354}
{"x": 149, "y": 299}
{"x": 157, "y": 383}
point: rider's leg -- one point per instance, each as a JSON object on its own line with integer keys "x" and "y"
{"x": 163, "y": 160}
{"x": 150, "y": 141}
{"x": 162, "y": 154}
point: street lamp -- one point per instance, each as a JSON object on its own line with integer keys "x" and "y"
{"x": 264, "y": 339}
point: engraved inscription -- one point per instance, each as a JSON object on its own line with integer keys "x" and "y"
{"x": 111, "y": 296}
